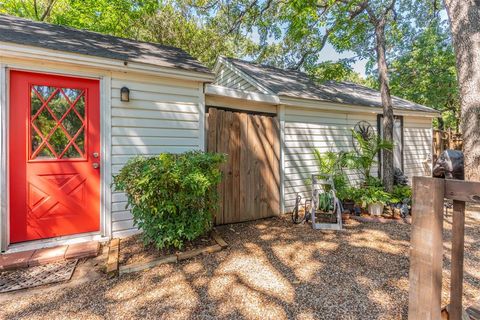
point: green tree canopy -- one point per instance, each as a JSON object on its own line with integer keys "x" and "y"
{"x": 148, "y": 20}
{"x": 426, "y": 74}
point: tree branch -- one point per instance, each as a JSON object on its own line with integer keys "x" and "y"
{"x": 35, "y": 8}
{"x": 241, "y": 16}
{"x": 299, "y": 64}
{"x": 47, "y": 11}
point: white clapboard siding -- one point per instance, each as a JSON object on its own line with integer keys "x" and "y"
{"x": 162, "y": 115}
{"x": 306, "y": 130}
{"x": 228, "y": 78}
{"x": 417, "y": 136}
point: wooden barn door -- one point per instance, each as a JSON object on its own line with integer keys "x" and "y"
{"x": 250, "y": 188}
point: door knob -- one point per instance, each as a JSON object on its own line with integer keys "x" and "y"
{"x": 95, "y": 155}
{"x": 95, "y": 165}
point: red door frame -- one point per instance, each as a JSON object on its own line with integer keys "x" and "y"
{"x": 20, "y": 155}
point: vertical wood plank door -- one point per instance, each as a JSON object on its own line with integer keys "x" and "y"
{"x": 54, "y": 150}
{"x": 250, "y": 188}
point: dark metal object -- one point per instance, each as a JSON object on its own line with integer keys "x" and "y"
{"x": 366, "y": 131}
{"x": 297, "y": 216}
{"x": 399, "y": 178}
{"x": 450, "y": 165}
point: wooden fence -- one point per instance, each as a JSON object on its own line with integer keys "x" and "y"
{"x": 426, "y": 252}
{"x": 446, "y": 140}
{"x": 251, "y": 186}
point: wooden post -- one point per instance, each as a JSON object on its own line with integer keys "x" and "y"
{"x": 458, "y": 237}
{"x": 426, "y": 250}
{"x": 438, "y": 146}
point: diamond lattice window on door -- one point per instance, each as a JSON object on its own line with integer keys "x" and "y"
{"x": 57, "y": 123}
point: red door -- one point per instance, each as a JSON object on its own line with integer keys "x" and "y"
{"x": 54, "y": 148}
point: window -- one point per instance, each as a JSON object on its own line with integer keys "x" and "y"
{"x": 57, "y": 123}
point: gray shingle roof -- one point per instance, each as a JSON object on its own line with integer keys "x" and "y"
{"x": 56, "y": 37}
{"x": 297, "y": 84}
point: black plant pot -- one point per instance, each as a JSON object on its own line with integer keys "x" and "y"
{"x": 349, "y": 205}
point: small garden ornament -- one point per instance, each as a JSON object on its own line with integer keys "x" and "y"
{"x": 399, "y": 178}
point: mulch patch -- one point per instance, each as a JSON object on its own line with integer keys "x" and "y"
{"x": 133, "y": 250}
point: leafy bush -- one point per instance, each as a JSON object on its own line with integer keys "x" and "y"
{"x": 373, "y": 182}
{"x": 369, "y": 195}
{"x": 172, "y": 196}
{"x": 401, "y": 193}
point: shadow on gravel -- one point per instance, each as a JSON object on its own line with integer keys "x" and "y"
{"x": 271, "y": 270}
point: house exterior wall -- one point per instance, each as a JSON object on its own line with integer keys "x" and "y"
{"x": 165, "y": 114}
{"x": 162, "y": 115}
{"x": 417, "y": 133}
{"x": 306, "y": 130}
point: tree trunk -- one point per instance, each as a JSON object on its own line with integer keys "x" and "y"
{"x": 464, "y": 16}
{"x": 387, "y": 158}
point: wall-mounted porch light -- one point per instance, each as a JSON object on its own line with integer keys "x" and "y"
{"x": 124, "y": 94}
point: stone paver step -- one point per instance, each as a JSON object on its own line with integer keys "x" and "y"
{"x": 16, "y": 260}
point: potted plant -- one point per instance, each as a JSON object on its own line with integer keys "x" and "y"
{"x": 348, "y": 195}
{"x": 374, "y": 199}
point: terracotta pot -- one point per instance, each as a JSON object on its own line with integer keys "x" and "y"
{"x": 346, "y": 215}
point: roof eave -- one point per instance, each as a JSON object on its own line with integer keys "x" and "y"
{"x": 14, "y": 50}
{"x": 344, "y": 107}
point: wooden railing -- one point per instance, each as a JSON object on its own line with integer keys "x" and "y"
{"x": 426, "y": 252}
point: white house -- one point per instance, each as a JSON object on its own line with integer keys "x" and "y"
{"x": 317, "y": 116}
{"x": 76, "y": 105}
{"x": 51, "y": 196}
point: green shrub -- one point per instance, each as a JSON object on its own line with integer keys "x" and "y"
{"x": 369, "y": 195}
{"x": 172, "y": 196}
{"x": 401, "y": 193}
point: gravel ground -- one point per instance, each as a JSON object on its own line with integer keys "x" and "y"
{"x": 271, "y": 270}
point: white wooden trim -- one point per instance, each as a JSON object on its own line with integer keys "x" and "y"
{"x": 224, "y": 62}
{"x": 53, "y": 242}
{"x": 202, "y": 117}
{"x": 127, "y": 233}
{"x": 54, "y": 71}
{"x": 339, "y": 107}
{"x": 222, "y": 91}
{"x": 281, "y": 118}
{"x": 4, "y": 216}
{"x": 30, "y": 52}
{"x": 106, "y": 156}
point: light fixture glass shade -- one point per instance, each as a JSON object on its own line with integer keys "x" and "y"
{"x": 124, "y": 94}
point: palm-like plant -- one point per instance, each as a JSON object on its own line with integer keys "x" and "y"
{"x": 368, "y": 151}
{"x": 332, "y": 164}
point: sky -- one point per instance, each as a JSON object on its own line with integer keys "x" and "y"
{"x": 329, "y": 53}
